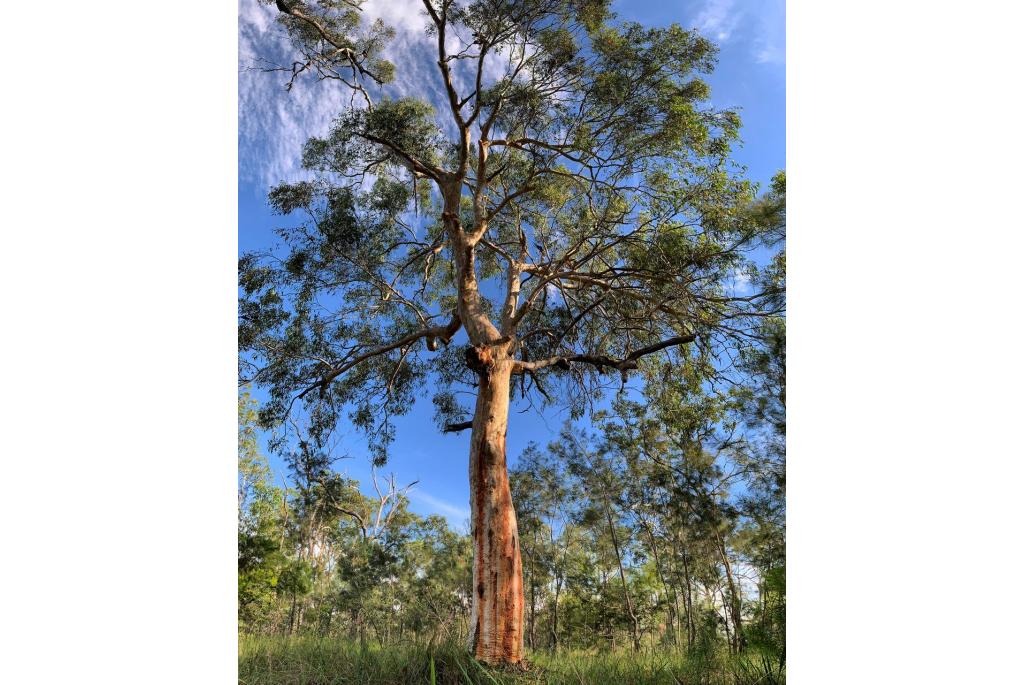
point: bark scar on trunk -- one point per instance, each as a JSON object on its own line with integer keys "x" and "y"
{"x": 497, "y": 629}
{"x": 480, "y": 359}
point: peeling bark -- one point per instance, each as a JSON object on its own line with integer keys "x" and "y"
{"x": 496, "y": 623}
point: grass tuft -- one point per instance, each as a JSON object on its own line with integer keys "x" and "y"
{"x": 329, "y": 661}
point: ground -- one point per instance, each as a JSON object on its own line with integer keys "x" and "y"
{"x": 329, "y": 661}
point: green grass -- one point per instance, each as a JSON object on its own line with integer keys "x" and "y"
{"x": 329, "y": 661}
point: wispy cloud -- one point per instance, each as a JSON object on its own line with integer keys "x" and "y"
{"x": 718, "y": 19}
{"x": 439, "y": 505}
{"x": 760, "y": 24}
{"x": 770, "y": 43}
{"x": 274, "y": 124}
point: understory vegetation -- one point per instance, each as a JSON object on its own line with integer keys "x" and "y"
{"x": 653, "y": 550}
{"x": 326, "y": 661}
{"x": 554, "y": 221}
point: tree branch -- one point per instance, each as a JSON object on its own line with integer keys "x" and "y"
{"x": 431, "y": 334}
{"x": 457, "y": 427}
{"x": 342, "y": 48}
{"x": 441, "y": 22}
{"x": 602, "y": 361}
{"x": 411, "y": 163}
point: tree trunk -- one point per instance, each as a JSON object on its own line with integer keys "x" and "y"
{"x": 634, "y": 623}
{"x": 533, "y": 622}
{"x": 554, "y": 616}
{"x": 560, "y": 569}
{"x": 291, "y": 616}
{"x": 734, "y": 606}
{"x": 670, "y": 592}
{"x": 496, "y": 623}
{"x": 691, "y": 628}
{"x": 725, "y": 620}
{"x": 533, "y": 594}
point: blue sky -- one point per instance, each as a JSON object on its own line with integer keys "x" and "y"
{"x": 273, "y": 124}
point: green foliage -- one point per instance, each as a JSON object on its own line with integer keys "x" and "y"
{"x": 596, "y": 104}
{"x": 408, "y": 125}
{"x": 260, "y": 527}
{"x": 768, "y": 629}
{"x": 593, "y": 177}
{"x": 647, "y": 491}
{"x": 296, "y": 579}
{"x": 332, "y": 40}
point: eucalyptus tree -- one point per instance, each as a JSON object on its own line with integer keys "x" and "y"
{"x": 683, "y": 454}
{"x": 598, "y": 475}
{"x": 646, "y": 497}
{"x": 569, "y": 207}
{"x": 438, "y": 577}
{"x": 260, "y": 523}
{"x": 530, "y": 496}
{"x": 763, "y": 408}
{"x": 545, "y": 503}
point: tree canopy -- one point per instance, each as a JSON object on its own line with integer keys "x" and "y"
{"x": 573, "y": 197}
{"x": 569, "y": 207}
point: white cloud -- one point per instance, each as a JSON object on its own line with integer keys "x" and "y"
{"x": 770, "y": 43}
{"x": 440, "y": 506}
{"x": 718, "y": 19}
{"x": 406, "y": 16}
{"x": 761, "y": 24}
{"x": 273, "y": 124}
{"x": 770, "y": 55}
{"x": 740, "y": 282}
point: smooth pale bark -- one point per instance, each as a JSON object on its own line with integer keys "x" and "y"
{"x": 496, "y": 621}
{"x": 496, "y": 617}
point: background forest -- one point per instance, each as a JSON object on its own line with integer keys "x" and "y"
{"x": 140, "y": 139}
{"x": 551, "y": 218}
{"x": 660, "y": 531}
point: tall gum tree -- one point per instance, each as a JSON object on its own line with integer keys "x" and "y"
{"x": 569, "y": 207}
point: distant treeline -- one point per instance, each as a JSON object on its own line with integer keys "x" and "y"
{"x": 661, "y": 526}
